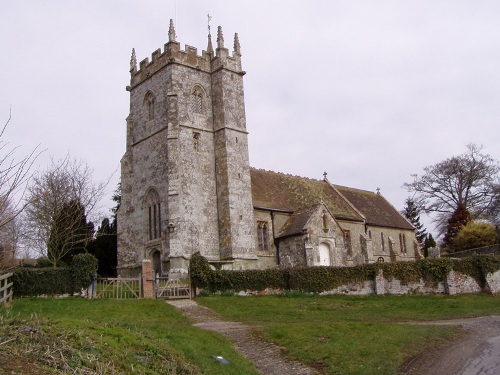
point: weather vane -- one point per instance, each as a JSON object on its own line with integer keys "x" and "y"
{"x": 209, "y": 18}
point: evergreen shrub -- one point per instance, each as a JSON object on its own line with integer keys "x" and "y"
{"x": 55, "y": 281}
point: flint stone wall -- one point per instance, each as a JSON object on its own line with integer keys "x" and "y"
{"x": 455, "y": 283}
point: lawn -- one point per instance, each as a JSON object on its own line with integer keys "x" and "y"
{"x": 353, "y": 335}
{"x": 335, "y": 334}
{"x": 78, "y": 336}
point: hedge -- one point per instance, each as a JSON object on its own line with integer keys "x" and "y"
{"x": 320, "y": 279}
{"x": 55, "y": 281}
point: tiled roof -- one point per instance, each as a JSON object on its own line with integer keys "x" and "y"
{"x": 297, "y": 222}
{"x": 376, "y": 209}
{"x": 280, "y": 191}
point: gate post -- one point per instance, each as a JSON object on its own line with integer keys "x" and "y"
{"x": 147, "y": 283}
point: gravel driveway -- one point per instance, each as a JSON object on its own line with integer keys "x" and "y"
{"x": 477, "y": 353}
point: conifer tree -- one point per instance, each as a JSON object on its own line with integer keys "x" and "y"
{"x": 412, "y": 213}
{"x": 429, "y": 243}
{"x": 459, "y": 219}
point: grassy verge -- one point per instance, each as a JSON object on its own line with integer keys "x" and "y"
{"x": 77, "y": 336}
{"x": 353, "y": 335}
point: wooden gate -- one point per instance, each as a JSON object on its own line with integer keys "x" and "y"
{"x": 172, "y": 289}
{"x": 6, "y": 288}
{"x": 119, "y": 288}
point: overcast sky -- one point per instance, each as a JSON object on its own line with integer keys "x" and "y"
{"x": 368, "y": 91}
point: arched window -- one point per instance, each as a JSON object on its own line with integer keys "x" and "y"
{"x": 154, "y": 214}
{"x": 402, "y": 242}
{"x": 262, "y": 236}
{"x": 197, "y": 100}
{"x": 348, "y": 242}
{"x": 149, "y": 102}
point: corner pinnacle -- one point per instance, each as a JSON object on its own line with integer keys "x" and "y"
{"x": 133, "y": 62}
{"x": 220, "y": 38}
{"x": 237, "y": 47}
{"x": 171, "y": 31}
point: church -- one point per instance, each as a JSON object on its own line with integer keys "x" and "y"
{"x": 187, "y": 185}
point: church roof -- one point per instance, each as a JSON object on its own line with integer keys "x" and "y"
{"x": 376, "y": 209}
{"x": 298, "y": 221}
{"x": 279, "y": 191}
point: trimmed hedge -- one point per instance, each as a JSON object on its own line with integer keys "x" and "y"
{"x": 53, "y": 281}
{"x": 320, "y": 279}
{"x": 216, "y": 280}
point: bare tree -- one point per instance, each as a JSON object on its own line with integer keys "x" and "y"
{"x": 9, "y": 238}
{"x": 14, "y": 175}
{"x": 470, "y": 179}
{"x": 61, "y": 199}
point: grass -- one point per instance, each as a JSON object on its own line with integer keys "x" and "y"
{"x": 108, "y": 337}
{"x": 335, "y": 334}
{"x": 353, "y": 335}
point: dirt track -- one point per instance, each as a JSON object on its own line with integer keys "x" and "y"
{"x": 477, "y": 353}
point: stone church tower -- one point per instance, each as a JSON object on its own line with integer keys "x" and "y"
{"x": 185, "y": 176}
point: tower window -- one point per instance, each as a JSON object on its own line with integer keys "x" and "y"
{"x": 197, "y": 100}
{"x": 154, "y": 215}
{"x": 196, "y": 140}
{"x": 149, "y": 101}
{"x": 151, "y": 109}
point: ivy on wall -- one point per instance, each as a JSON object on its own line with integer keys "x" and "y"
{"x": 320, "y": 279}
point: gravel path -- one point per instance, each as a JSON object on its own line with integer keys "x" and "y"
{"x": 478, "y": 353}
{"x": 267, "y": 356}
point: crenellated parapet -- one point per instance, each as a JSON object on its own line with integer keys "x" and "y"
{"x": 208, "y": 61}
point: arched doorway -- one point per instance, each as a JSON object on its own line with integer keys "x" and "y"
{"x": 324, "y": 255}
{"x": 157, "y": 263}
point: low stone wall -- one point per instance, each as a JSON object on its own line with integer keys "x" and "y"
{"x": 458, "y": 283}
{"x": 455, "y": 283}
{"x": 356, "y": 289}
{"x": 476, "y": 274}
{"x": 493, "y": 282}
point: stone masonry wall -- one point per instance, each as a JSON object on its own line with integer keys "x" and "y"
{"x": 456, "y": 283}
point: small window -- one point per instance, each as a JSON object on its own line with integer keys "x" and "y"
{"x": 380, "y": 260}
{"x": 402, "y": 242}
{"x": 382, "y": 242}
{"x": 348, "y": 242}
{"x": 262, "y": 236}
